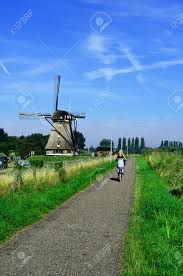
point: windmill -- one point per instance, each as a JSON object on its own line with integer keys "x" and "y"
{"x": 64, "y": 125}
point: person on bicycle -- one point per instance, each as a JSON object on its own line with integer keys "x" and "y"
{"x": 121, "y": 159}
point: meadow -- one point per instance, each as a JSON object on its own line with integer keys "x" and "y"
{"x": 169, "y": 166}
{"x": 49, "y": 173}
{"x": 154, "y": 241}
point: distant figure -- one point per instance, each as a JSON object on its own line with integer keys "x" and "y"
{"x": 121, "y": 160}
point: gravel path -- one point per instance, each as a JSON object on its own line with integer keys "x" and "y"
{"x": 83, "y": 237}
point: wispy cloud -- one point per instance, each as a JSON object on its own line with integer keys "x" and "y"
{"x": 140, "y": 9}
{"x": 132, "y": 58}
{"x": 103, "y": 48}
{"x": 4, "y": 68}
{"x": 110, "y": 73}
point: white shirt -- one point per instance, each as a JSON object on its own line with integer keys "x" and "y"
{"x": 120, "y": 163}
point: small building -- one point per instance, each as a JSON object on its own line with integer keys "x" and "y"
{"x": 103, "y": 151}
{"x": 3, "y": 161}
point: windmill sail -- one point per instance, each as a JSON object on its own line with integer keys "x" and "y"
{"x": 34, "y": 115}
{"x": 79, "y": 115}
{"x": 57, "y": 92}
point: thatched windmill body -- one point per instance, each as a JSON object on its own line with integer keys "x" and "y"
{"x": 64, "y": 125}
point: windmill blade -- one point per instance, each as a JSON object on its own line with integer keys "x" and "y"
{"x": 57, "y": 92}
{"x": 34, "y": 115}
{"x": 79, "y": 115}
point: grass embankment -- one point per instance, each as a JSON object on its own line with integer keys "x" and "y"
{"x": 28, "y": 204}
{"x": 154, "y": 242}
{"x": 170, "y": 167}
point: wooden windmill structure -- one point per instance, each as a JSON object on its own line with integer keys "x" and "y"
{"x": 64, "y": 125}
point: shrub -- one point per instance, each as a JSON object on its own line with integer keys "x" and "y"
{"x": 37, "y": 163}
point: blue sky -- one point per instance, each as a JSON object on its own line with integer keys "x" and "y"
{"x": 120, "y": 63}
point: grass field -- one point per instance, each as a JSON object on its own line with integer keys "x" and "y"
{"x": 29, "y": 204}
{"x": 58, "y": 158}
{"x": 170, "y": 167}
{"x": 154, "y": 242}
{"x": 47, "y": 175}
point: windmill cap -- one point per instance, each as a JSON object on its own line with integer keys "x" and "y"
{"x": 61, "y": 115}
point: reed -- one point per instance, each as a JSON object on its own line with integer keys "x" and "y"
{"x": 46, "y": 175}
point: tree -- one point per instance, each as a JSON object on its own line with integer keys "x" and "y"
{"x": 80, "y": 139}
{"x": 119, "y": 144}
{"x": 162, "y": 144}
{"x": 124, "y": 145}
{"x": 137, "y": 147}
{"x": 92, "y": 149}
{"x": 171, "y": 144}
{"x": 129, "y": 145}
{"x": 133, "y": 146}
{"x": 166, "y": 143}
{"x": 106, "y": 143}
{"x": 3, "y": 135}
{"x": 142, "y": 143}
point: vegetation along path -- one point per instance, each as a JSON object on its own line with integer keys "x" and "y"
{"x": 82, "y": 237}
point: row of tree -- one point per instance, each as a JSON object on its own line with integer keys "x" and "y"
{"x": 131, "y": 145}
{"x": 172, "y": 144}
{"x": 23, "y": 145}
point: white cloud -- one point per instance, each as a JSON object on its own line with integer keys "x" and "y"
{"x": 132, "y": 58}
{"x": 4, "y": 68}
{"x": 103, "y": 48}
{"x": 96, "y": 43}
{"x": 109, "y": 73}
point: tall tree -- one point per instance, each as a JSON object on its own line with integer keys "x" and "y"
{"x": 133, "y": 146}
{"x": 137, "y": 147}
{"x": 142, "y": 143}
{"x": 119, "y": 143}
{"x": 80, "y": 139}
{"x": 124, "y": 145}
{"x": 166, "y": 143}
{"x": 162, "y": 144}
{"x": 171, "y": 144}
{"x": 129, "y": 145}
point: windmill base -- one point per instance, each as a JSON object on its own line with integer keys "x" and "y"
{"x": 60, "y": 153}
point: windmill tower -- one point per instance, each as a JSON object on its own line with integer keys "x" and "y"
{"x": 64, "y": 125}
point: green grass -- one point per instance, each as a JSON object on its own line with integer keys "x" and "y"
{"x": 28, "y": 205}
{"x": 154, "y": 242}
{"x": 57, "y": 158}
{"x": 170, "y": 167}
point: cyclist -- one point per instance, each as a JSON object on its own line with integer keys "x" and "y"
{"x": 121, "y": 160}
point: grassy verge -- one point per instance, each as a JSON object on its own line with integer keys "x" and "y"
{"x": 170, "y": 167}
{"x": 28, "y": 205}
{"x": 154, "y": 242}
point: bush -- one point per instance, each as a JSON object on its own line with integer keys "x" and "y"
{"x": 37, "y": 163}
{"x": 170, "y": 167}
{"x": 59, "y": 167}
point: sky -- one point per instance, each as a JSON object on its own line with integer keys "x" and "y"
{"x": 120, "y": 63}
